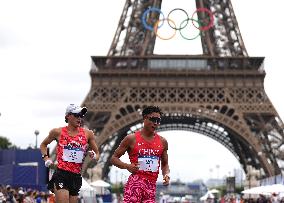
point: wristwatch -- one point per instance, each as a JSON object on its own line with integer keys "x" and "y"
{"x": 44, "y": 155}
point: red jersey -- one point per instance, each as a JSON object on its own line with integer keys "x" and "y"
{"x": 148, "y": 154}
{"x": 71, "y": 150}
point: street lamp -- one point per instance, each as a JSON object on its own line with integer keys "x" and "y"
{"x": 211, "y": 171}
{"x": 217, "y": 167}
{"x": 36, "y": 134}
{"x": 249, "y": 170}
{"x": 274, "y": 152}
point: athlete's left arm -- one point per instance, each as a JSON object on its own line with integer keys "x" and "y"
{"x": 92, "y": 143}
{"x": 164, "y": 163}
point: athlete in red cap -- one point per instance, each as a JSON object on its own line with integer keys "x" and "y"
{"x": 73, "y": 143}
{"x": 146, "y": 150}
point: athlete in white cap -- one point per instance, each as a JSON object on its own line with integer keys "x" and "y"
{"x": 73, "y": 143}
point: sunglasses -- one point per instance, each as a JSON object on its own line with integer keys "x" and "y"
{"x": 156, "y": 120}
{"x": 77, "y": 115}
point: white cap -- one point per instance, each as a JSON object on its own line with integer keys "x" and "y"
{"x": 72, "y": 108}
{"x": 210, "y": 196}
{"x": 21, "y": 192}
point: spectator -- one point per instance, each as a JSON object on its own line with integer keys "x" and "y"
{"x": 38, "y": 198}
{"x": 10, "y": 195}
{"x": 51, "y": 198}
{"x": 275, "y": 198}
{"x": 21, "y": 196}
{"x": 29, "y": 197}
{"x": 2, "y": 198}
{"x": 261, "y": 199}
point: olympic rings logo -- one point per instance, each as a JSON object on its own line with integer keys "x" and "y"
{"x": 203, "y": 24}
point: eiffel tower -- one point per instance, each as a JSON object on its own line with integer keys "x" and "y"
{"x": 219, "y": 94}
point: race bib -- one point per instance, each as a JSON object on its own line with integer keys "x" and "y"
{"x": 148, "y": 163}
{"x": 75, "y": 155}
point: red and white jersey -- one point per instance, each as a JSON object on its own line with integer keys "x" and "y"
{"x": 148, "y": 155}
{"x": 71, "y": 150}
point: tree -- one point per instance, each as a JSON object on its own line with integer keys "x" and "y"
{"x": 5, "y": 143}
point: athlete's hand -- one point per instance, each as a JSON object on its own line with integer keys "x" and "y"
{"x": 97, "y": 157}
{"x": 53, "y": 166}
{"x": 133, "y": 167}
{"x": 166, "y": 179}
{"x": 49, "y": 164}
{"x": 93, "y": 155}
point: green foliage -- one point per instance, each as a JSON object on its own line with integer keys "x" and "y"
{"x": 117, "y": 188}
{"x": 222, "y": 189}
{"x": 5, "y": 143}
{"x": 239, "y": 189}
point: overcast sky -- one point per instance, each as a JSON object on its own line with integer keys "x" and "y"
{"x": 45, "y": 49}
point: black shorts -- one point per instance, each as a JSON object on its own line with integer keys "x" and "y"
{"x": 62, "y": 179}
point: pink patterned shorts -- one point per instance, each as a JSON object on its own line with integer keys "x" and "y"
{"x": 138, "y": 190}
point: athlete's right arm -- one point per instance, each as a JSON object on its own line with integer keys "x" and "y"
{"x": 53, "y": 135}
{"x": 125, "y": 145}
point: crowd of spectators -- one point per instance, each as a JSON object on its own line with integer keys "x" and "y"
{"x": 9, "y": 194}
{"x": 268, "y": 198}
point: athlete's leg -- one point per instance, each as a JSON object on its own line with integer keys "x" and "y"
{"x": 73, "y": 199}
{"x": 61, "y": 185}
{"x": 149, "y": 191}
{"x": 61, "y": 195}
{"x": 74, "y": 188}
{"x": 132, "y": 190}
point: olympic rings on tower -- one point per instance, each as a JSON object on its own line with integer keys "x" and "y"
{"x": 156, "y": 28}
{"x": 144, "y": 16}
{"x": 205, "y": 22}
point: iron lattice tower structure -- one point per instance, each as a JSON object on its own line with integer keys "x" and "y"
{"x": 219, "y": 94}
